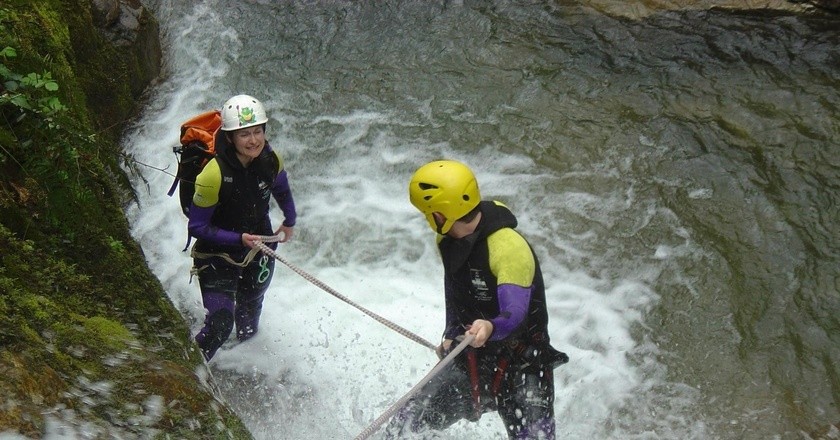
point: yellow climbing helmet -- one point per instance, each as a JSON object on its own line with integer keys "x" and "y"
{"x": 242, "y": 111}
{"x": 444, "y": 186}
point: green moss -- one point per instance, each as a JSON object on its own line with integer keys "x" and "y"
{"x": 110, "y": 332}
{"x": 56, "y": 28}
{"x": 80, "y": 313}
{"x": 37, "y": 307}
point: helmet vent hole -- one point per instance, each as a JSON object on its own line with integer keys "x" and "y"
{"x": 425, "y": 186}
{"x": 466, "y": 198}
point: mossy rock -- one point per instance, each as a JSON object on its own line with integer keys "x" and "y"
{"x": 88, "y": 337}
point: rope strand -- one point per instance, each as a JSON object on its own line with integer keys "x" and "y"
{"x": 268, "y": 251}
{"x": 402, "y": 401}
{"x": 399, "y": 403}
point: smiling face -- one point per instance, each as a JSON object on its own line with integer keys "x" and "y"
{"x": 249, "y": 142}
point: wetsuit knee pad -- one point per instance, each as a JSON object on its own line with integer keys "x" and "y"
{"x": 220, "y": 324}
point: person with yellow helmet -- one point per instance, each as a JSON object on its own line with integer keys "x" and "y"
{"x": 493, "y": 291}
{"x": 229, "y": 212}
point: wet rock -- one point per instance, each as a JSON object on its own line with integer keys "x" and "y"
{"x": 131, "y": 26}
{"x": 831, "y": 5}
{"x": 641, "y": 9}
{"x": 122, "y": 21}
{"x": 105, "y": 12}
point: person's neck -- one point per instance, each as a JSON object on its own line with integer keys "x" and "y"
{"x": 461, "y": 229}
{"x": 244, "y": 160}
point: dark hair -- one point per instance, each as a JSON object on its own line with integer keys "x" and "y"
{"x": 229, "y": 133}
{"x": 470, "y": 216}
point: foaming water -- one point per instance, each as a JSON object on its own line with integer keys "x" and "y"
{"x": 320, "y": 368}
{"x": 588, "y": 127}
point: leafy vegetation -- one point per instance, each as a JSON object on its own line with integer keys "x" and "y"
{"x": 87, "y": 336}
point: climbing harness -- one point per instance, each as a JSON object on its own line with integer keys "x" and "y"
{"x": 399, "y": 403}
{"x": 260, "y": 244}
{"x": 224, "y": 256}
{"x": 475, "y": 389}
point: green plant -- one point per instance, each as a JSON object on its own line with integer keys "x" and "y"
{"x": 24, "y": 95}
{"x": 41, "y": 141}
{"x": 22, "y": 91}
{"x": 31, "y": 112}
{"x": 115, "y": 245}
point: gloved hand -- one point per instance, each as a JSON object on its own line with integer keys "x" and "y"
{"x": 444, "y": 348}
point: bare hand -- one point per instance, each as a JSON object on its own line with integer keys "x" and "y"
{"x": 481, "y": 329}
{"x": 286, "y": 231}
{"x": 250, "y": 240}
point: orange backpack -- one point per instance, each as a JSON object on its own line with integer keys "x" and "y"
{"x": 198, "y": 136}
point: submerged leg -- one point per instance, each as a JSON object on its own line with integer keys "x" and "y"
{"x": 249, "y": 299}
{"x": 248, "y": 313}
{"x": 219, "y": 282}
{"x": 440, "y": 403}
{"x": 218, "y": 323}
{"x": 527, "y": 408}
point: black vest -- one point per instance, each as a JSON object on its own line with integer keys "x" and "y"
{"x": 244, "y": 195}
{"x": 474, "y": 294}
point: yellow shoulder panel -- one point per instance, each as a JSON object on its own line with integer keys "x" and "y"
{"x": 511, "y": 259}
{"x": 279, "y": 160}
{"x": 207, "y": 185}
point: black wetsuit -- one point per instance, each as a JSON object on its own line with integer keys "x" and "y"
{"x": 230, "y": 200}
{"x": 494, "y": 275}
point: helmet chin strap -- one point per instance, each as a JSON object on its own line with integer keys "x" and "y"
{"x": 440, "y": 221}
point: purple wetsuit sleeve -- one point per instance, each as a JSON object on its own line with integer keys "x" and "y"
{"x": 513, "y": 306}
{"x": 282, "y": 192}
{"x": 200, "y": 227}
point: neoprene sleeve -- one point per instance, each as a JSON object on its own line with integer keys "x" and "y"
{"x": 513, "y": 306}
{"x": 200, "y": 227}
{"x": 282, "y": 192}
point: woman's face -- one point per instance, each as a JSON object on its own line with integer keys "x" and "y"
{"x": 249, "y": 142}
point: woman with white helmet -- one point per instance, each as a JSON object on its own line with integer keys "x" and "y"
{"x": 230, "y": 210}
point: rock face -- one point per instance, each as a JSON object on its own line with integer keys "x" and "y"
{"x": 118, "y": 19}
{"x": 637, "y": 9}
{"x": 116, "y": 55}
{"x": 831, "y": 5}
{"x": 105, "y": 12}
{"x": 90, "y": 345}
{"x": 130, "y": 25}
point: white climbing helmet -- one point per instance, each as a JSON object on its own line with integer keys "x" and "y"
{"x": 242, "y": 111}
